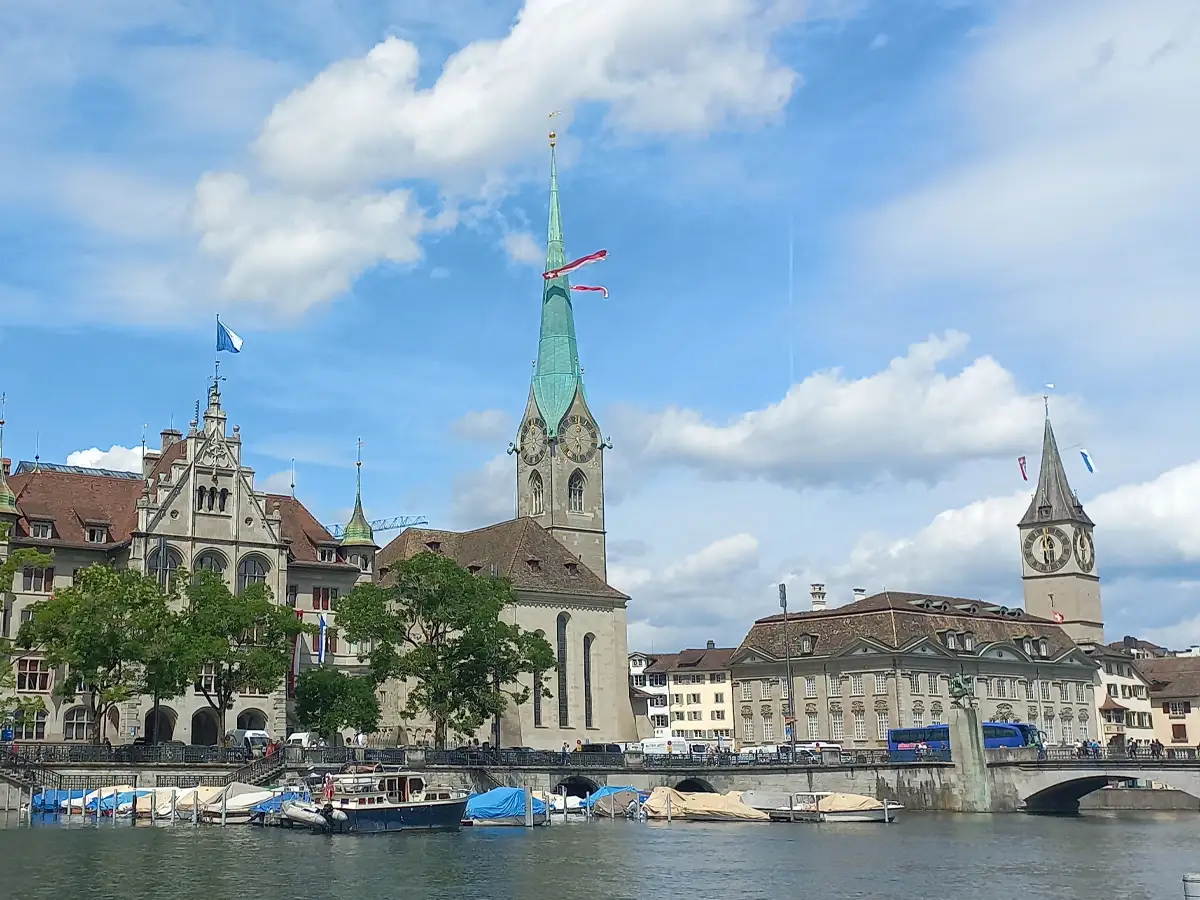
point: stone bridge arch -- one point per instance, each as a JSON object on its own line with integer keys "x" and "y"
{"x": 1059, "y": 789}
{"x": 695, "y": 786}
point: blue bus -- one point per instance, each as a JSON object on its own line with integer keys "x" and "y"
{"x": 905, "y": 744}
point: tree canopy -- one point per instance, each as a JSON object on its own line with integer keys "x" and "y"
{"x": 244, "y": 640}
{"x": 439, "y": 627}
{"x": 328, "y": 701}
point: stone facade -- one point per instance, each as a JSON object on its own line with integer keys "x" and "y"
{"x": 1125, "y": 711}
{"x": 654, "y": 684}
{"x": 885, "y": 662}
{"x": 699, "y": 694}
{"x": 1175, "y": 698}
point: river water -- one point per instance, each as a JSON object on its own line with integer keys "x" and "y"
{"x": 926, "y": 856}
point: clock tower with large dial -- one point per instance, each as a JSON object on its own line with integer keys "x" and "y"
{"x": 1058, "y": 556}
{"x": 559, "y": 447}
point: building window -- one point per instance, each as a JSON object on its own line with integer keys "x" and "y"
{"x": 693, "y": 700}
{"x": 677, "y": 715}
{"x": 658, "y": 701}
{"x": 33, "y": 676}
{"x": 1029, "y": 690}
{"x": 764, "y": 688}
{"x": 37, "y": 581}
{"x": 718, "y": 697}
{"x": 207, "y": 681}
{"x": 880, "y": 683}
{"x": 1081, "y": 691}
{"x": 77, "y": 724}
{"x": 837, "y": 727}
{"x": 717, "y": 715}
{"x": 835, "y": 685}
{"x": 716, "y": 678}
{"x": 1066, "y": 731}
{"x": 695, "y": 715}
{"x": 968, "y": 641}
{"x": 537, "y": 500}
{"x": 1179, "y": 734}
{"x": 659, "y": 721}
{"x": 1064, "y": 692}
{"x": 1177, "y": 709}
{"x": 805, "y": 645}
{"x": 784, "y": 693}
{"x": 1042, "y": 649}
{"x": 856, "y": 685}
{"x": 1083, "y": 729}
{"x": 323, "y": 597}
{"x": 575, "y": 491}
{"x": 29, "y": 729}
{"x": 810, "y": 686}
{"x": 659, "y": 681}
{"x": 564, "y": 718}
{"x": 639, "y": 680}
{"x": 210, "y": 561}
{"x": 327, "y": 554}
{"x": 97, "y": 534}
{"x": 914, "y": 683}
{"x": 932, "y": 680}
{"x": 748, "y": 729}
{"x": 251, "y": 570}
{"x": 1045, "y": 690}
{"x": 747, "y": 690}
{"x": 41, "y": 530}
{"x": 860, "y": 725}
{"x": 814, "y": 726}
{"x": 918, "y": 718}
{"x": 881, "y": 724}
{"x": 588, "y": 640}
{"x": 768, "y": 730}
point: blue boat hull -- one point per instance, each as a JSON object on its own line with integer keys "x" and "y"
{"x": 439, "y": 816}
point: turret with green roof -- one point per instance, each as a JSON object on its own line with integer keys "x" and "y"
{"x": 358, "y": 532}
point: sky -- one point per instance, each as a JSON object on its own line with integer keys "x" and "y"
{"x": 850, "y": 243}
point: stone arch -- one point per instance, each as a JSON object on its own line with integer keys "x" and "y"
{"x": 162, "y": 562}
{"x": 695, "y": 786}
{"x": 537, "y": 494}
{"x": 564, "y": 708}
{"x": 1064, "y": 797}
{"x": 576, "y": 786}
{"x": 252, "y": 569}
{"x": 252, "y": 720}
{"x": 112, "y": 723}
{"x": 212, "y": 560}
{"x": 205, "y": 727}
{"x": 77, "y": 724}
{"x": 162, "y": 729}
{"x": 588, "y": 719}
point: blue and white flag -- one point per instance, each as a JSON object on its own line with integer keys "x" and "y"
{"x": 226, "y": 339}
{"x": 321, "y": 641}
{"x": 1087, "y": 460}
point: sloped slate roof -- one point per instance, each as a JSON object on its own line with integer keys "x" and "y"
{"x": 70, "y": 500}
{"x": 1171, "y": 677}
{"x": 1053, "y": 500}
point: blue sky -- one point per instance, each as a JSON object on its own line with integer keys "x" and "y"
{"x": 982, "y": 196}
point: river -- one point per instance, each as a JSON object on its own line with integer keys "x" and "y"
{"x": 926, "y": 856}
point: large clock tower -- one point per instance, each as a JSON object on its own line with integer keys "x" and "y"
{"x": 1058, "y": 557}
{"x": 559, "y": 448}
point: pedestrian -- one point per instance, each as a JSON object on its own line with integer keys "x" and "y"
{"x": 565, "y": 752}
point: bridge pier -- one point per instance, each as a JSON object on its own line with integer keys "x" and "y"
{"x": 970, "y": 762}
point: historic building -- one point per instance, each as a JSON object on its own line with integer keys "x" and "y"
{"x": 194, "y": 505}
{"x": 654, "y": 686}
{"x": 1125, "y": 712}
{"x": 1058, "y": 556}
{"x": 1175, "y": 697}
{"x": 885, "y": 661}
{"x": 699, "y": 698}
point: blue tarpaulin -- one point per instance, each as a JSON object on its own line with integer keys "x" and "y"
{"x": 275, "y": 803}
{"x": 606, "y": 791}
{"x": 51, "y": 801}
{"x": 501, "y": 803}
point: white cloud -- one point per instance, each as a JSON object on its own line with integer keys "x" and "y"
{"x": 879, "y": 41}
{"x": 482, "y": 425}
{"x": 907, "y": 421}
{"x": 522, "y": 248}
{"x": 122, "y": 459}
{"x": 275, "y": 483}
{"x": 484, "y": 496}
{"x": 289, "y": 251}
{"x": 671, "y": 66}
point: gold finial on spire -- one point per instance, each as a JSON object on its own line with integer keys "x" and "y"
{"x": 553, "y": 136}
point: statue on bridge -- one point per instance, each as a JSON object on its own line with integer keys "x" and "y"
{"x": 962, "y": 692}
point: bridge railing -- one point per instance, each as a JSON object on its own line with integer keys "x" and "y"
{"x": 68, "y": 753}
{"x": 1109, "y": 755}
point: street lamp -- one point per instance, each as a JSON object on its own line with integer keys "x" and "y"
{"x": 791, "y": 684}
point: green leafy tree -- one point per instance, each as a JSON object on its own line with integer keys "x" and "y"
{"x": 439, "y": 627}
{"x": 328, "y": 701}
{"x": 92, "y": 629}
{"x": 167, "y": 663}
{"x": 246, "y": 639}
{"x": 11, "y": 704}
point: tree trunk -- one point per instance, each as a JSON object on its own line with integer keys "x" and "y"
{"x": 154, "y": 722}
{"x": 439, "y": 734}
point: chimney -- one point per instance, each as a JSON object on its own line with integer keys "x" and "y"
{"x": 5, "y": 466}
{"x": 859, "y": 594}
{"x": 167, "y": 438}
{"x": 711, "y": 645}
{"x": 818, "y": 597}
{"x": 1130, "y": 642}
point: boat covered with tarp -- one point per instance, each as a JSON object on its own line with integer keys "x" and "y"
{"x": 613, "y": 802}
{"x": 700, "y": 806}
{"x": 502, "y": 806}
{"x": 822, "y": 806}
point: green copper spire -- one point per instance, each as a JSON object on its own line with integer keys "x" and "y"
{"x": 8, "y": 500}
{"x": 557, "y": 374}
{"x": 358, "y": 531}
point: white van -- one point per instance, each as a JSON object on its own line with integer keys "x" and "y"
{"x": 251, "y": 740}
{"x": 673, "y": 745}
{"x": 310, "y": 740}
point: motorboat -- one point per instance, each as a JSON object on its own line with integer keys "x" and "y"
{"x": 822, "y": 806}
{"x": 367, "y": 799}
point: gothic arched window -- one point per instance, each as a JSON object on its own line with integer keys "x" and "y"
{"x": 588, "y": 640}
{"x": 575, "y": 491}
{"x": 251, "y": 570}
{"x": 211, "y": 561}
{"x": 564, "y": 718}
{"x": 222, "y": 498}
{"x": 161, "y": 564}
{"x": 536, "y": 496}
{"x": 201, "y": 494}
{"x": 537, "y": 690}
{"x": 212, "y": 498}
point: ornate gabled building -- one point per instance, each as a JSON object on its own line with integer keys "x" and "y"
{"x": 194, "y": 505}
{"x": 1058, "y": 556}
{"x": 885, "y": 661}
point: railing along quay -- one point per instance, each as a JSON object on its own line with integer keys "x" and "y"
{"x": 68, "y": 753}
{"x": 1065, "y": 757}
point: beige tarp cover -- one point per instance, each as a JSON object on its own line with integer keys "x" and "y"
{"x": 848, "y": 803}
{"x": 711, "y": 807}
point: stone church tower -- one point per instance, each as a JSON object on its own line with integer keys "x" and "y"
{"x": 1058, "y": 557}
{"x": 559, "y": 449}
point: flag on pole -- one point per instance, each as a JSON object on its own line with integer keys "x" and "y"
{"x": 588, "y": 287}
{"x": 227, "y": 339}
{"x": 1021, "y": 463}
{"x": 1057, "y": 616}
{"x": 321, "y": 642}
{"x": 1087, "y": 461}
{"x": 576, "y": 264}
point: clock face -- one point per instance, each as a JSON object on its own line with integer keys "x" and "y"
{"x": 1085, "y": 550}
{"x": 1047, "y": 548}
{"x": 579, "y": 439}
{"x": 533, "y": 441}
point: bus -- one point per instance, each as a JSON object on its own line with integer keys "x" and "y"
{"x": 905, "y": 744}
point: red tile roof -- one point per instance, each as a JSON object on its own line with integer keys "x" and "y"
{"x": 708, "y": 660}
{"x": 71, "y": 501}
{"x": 303, "y": 532}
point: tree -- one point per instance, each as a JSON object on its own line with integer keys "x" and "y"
{"x": 328, "y": 701}
{"x": 439, "y": 627}
{"x": 92, "y": 629}
{"x": 12, "y": 705}
{"x": 243, "y": 640}
{"x": 165, "y": 653}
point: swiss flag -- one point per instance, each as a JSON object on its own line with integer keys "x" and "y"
{"x": 1057, "y": 616}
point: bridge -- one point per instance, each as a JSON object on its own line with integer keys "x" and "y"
{"x": 1018, "y": 780}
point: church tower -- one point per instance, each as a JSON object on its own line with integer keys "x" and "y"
{"x": 559, "y": 450}
{"x": 1058, "y": 558}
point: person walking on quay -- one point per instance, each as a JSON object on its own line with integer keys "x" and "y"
{"x": 566, "y": 750}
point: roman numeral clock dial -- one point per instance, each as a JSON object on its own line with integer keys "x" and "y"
{"x": 579, "y": 439}
{"x": 1047, "y": 549}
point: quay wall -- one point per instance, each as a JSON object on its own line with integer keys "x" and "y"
{"x": 1140, "y": 799}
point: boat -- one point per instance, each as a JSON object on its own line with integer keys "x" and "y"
{"x": 502, "y": 806}
{"x": 667, "y": 803}
{"x": 822, "y": 806}
{"x": 367, "y": 799}
{"x": 613, "y": 802}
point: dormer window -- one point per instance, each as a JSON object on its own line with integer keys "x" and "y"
{"x": 1028, "y": 647}
{"x": 43, "y": 530}
{"x": 806, "y": 644}
{"x": 572, "y": 568}
{"x": 968, "y": 641}
{"x": 97, "y": 534}
{"x": 535, "y": 565}
{"x": 1042, "y": 649}
{"x": 951, "y": 640}
{"x": 434, "y": 546}
{"x": 327, "y": 554}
